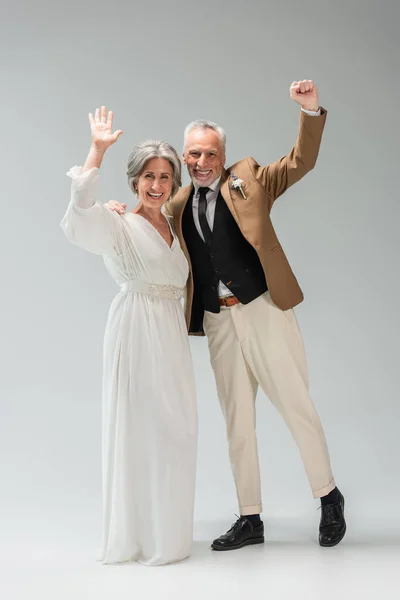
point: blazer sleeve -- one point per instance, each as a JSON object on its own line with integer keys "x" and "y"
{"x": 277, "y": 177}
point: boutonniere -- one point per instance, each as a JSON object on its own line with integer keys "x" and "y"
{"x": 237, "y": 184}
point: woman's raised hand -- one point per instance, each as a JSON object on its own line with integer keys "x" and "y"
{"x": 101, "y": 129}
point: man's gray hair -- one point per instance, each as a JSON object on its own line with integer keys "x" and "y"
{"x": 147, "y": 150}
{"x": 202, "y": 124}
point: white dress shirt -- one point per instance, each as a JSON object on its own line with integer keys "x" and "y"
{"x": 211, "y": 198}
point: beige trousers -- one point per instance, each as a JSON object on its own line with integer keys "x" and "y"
{"x": 259, "y": 344}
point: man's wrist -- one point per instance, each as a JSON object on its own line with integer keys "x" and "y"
{"x": 312, "y": 108}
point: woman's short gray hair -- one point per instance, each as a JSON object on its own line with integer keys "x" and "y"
{"x": 147, "y": 150}
{"x": 202, "y": 124}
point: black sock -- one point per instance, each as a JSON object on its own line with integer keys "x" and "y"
{"x": 331, "y": 498}
{"x": 254, "y": 519}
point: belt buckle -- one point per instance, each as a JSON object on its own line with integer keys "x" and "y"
{"x": 227, "y": 301}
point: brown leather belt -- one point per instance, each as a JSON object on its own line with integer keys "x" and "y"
{"x": 229, "y": 301}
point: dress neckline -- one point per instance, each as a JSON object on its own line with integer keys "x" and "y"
{"x": 170, "y": 247}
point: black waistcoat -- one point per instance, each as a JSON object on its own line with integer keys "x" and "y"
{"x": 230, "y": 259}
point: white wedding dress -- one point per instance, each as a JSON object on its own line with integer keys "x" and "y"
{"x": 149, "y": 402}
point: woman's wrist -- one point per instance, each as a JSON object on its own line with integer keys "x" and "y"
{"x": 94, "y": 158}
{"x": 97, "y": 150}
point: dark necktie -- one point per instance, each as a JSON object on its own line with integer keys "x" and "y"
{"x": 205, "y": 228}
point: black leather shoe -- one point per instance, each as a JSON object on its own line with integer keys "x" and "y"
{"x": 242, "y": 533}
{"x": 332, "y": 526}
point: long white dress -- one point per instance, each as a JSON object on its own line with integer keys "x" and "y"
{"x": 149, "y": 402}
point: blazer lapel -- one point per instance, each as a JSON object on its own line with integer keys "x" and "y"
{"x": 225, "y": 190}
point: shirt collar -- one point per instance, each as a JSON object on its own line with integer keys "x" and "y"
{"x": 214, "y": 186}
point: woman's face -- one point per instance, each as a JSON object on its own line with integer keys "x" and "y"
{"x": 154, "y": 185}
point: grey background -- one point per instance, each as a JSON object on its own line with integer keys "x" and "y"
{"x": 160, "y": 65}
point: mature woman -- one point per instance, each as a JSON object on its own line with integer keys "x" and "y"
{"x": 149, "y": 405}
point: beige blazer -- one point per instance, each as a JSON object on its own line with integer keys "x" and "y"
{"x": 261, "y": 186}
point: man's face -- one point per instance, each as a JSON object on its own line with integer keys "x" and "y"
{"x": 203, "y": 156}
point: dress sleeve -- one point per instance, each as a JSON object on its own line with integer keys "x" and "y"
{"x": 87, "y": 223}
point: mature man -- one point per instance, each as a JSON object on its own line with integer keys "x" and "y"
{"x": 241, "y": 295}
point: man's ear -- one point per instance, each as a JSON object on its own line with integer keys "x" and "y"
{"x": 183, "y": 158}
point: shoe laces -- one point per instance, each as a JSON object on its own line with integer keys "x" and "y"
{"x": 329, "y": 513}
{"x": 237, "y": 523}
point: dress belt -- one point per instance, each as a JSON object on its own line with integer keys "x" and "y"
{"x": 169, "y": 292}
